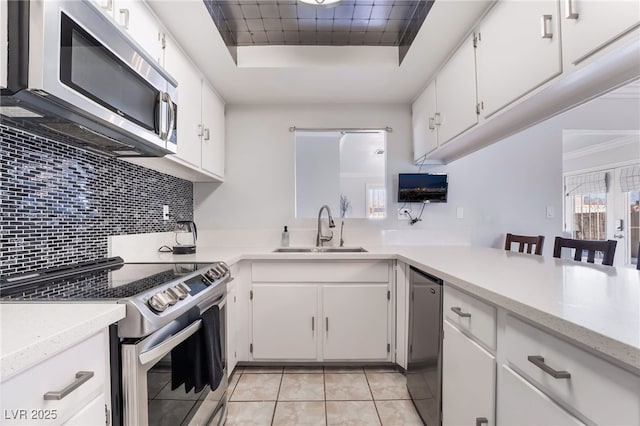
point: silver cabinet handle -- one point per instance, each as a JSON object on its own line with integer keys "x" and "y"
{"x": 437, "y": 119}
{"x": 200, "y": 129}
{"x": 481, "y": 421}
{"x": 206, "y": 134}
{"x": 327, "y": 323}
{"x": 81, "y": 377}
{"x": 538, "y": 361}
{"x": 125, "y": 21}
{"x": 432, "y": 123}
{"x": 546, "y": 26}
{"x": 570, "y": 13}
{"x": 108, "y": 5}
{"x": 313, "y": 323}
{"x": 458, "y": 311}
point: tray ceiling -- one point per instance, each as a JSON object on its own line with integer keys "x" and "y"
{"x": 290, "y": 22}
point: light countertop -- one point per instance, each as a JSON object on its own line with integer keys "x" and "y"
{"x": 595, "y": 306}
{"x": 33, "y": 332}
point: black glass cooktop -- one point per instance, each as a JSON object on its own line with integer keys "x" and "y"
{"x": 112, "y": 282}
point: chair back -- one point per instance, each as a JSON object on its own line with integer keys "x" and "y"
{"x": 608, "y": 249}
{"x": 525, "y": 242}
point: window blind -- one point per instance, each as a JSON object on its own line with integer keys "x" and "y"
{"x": 630, "y": 179}
{"x": 586, "y": 183}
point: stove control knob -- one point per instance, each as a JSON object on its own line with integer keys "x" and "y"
{"x": 213, "y": 274}
{"x": 177, "y": 292}
{"x": 158, "y": 302}
{"x": 220, "y": 269}
{"x": 171, "y": 297}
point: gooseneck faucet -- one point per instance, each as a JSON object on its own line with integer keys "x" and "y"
{"x": 320, "y": 239}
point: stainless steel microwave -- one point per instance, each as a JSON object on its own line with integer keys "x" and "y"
{"x": 73, "y": 74}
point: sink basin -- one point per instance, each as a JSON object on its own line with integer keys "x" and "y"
{"x": 320, "y": 250}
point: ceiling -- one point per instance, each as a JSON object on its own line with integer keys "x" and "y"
{"x": 316, "y": 74}
{"x": 290, "y": 22}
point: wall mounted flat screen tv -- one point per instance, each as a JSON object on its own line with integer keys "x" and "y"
{"x": 422, "y": 188}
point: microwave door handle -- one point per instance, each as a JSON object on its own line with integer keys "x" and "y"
{"x": 172, "y": 117}
{"x": 163, "y": 348}
{"x": 160, "y": 118}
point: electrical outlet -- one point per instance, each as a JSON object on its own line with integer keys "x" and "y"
{"x": 403, "y": 214}
{"x": 165, "y": 212}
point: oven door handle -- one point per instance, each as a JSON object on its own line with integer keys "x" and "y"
{"x": 163, "y": 348}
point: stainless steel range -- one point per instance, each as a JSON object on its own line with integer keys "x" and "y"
{"x": 171, "y": 309}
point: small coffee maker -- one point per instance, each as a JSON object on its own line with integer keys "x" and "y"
{"x": 186, "y": 235}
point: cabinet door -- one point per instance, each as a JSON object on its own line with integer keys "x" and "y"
{"x": 135, "y": 17}
{"x": 213, "y": 138}
{"x": 468, "y": 380}
{"x": 521, "y": 404}
{"x": 91, "y": 414}
{"x": 518, "y": 50}
{"x": 425, "y": 134}
{"x": 589, "y": 25}
{"x": 456, "y": 93}
{"x": 355, "y": 322}
{"x": 231, "y": 329}
{"x": 189, "y": 102}
{"x": 285, "y": 321}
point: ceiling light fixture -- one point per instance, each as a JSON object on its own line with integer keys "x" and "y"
{"x": 320, "y": 2}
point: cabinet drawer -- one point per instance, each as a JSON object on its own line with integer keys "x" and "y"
{"x": 318, "y": 271}
{"x": 26, "y": 390}
{"x": 592, "y": 380}
{"x": 471, "y": 315}
{"x": 521, "y": 404}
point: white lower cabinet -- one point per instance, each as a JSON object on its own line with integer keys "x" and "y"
{"x": 356, "y": 326}
{"x": 521, "y": 404}
{"x": 79, "y": 376}
{"x": 231, "y": 328}
{"x": 285, "y": 321}
{"x": 317, "y": 311}
{"x": 469, "y": 381}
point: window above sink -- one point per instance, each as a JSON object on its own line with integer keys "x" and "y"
{"x": 345, "y": 169}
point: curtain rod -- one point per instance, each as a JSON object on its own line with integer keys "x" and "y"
{"x": 343, "y": 129}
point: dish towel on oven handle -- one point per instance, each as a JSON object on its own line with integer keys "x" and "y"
{"x": 197, "y": 361}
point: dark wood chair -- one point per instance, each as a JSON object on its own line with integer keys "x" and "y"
{"x": 638, "y": 262}
{"x": 608, "y": 249}
{"x": 525, "y": 242}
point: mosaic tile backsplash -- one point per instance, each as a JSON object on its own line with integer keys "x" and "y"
{"x": 58, "y": 204}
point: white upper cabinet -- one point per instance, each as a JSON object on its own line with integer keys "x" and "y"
{"x": 425, "y": 131}
{"x": 589, "y": 25}
{"x": 189, "y": 103}
{"x": 213, "y": 132}
{"x": 518, "y": 49}
{"x": 135, "y": 17}
{"x": 456, "y": 94}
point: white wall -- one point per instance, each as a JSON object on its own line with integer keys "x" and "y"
{"x": 259, "y": 184}
{"x": 505, "y": 187}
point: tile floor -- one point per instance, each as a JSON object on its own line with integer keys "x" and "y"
{"x": 319, "y": 396}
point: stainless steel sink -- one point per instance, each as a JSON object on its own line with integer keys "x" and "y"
{"x": 320, "y": 250}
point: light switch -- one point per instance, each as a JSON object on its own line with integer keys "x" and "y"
{"x": 165, "y": 212}
{"x": 460, "y": 213}
{"x": 550, "y": 212}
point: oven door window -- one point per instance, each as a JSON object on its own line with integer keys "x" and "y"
{"x": 91, "y": 69}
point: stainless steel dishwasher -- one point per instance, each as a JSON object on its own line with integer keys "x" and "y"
{"x": 424, "y": 366}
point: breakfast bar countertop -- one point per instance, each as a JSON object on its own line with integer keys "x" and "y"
{"x": 593, "y": 305}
